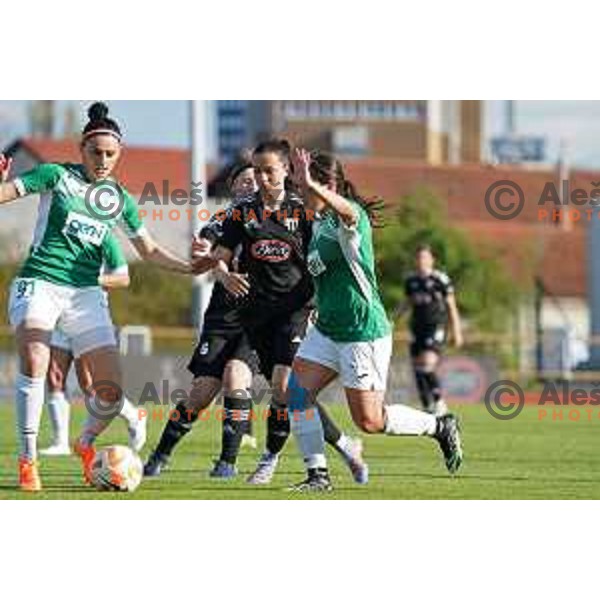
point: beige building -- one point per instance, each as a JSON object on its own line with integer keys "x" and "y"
{"x": 433, "y": 131}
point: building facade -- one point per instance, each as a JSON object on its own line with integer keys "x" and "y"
{"x": 432, "y": 131}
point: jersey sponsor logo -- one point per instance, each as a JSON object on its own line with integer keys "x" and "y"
{"x": 271, "y": 250}
{"x": 85, "y": 229}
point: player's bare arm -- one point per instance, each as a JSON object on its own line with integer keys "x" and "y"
{"x": 235, "y": 283}
{"x": 301, "y": 162}
{"x": 112, "y": 281}
{"x": 455, "y": 323}
{"x": 8, "y": 190}
{"x": 202, "y": 258}
{"x": 149, "y": 249}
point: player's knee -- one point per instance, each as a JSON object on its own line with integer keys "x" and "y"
{"x": 237, "y": 377}
{"x": 34, "y": 361}
{"x": 56, "y": 381}
{"x": 370, "y": 424}
{"x": 279, "y": 395}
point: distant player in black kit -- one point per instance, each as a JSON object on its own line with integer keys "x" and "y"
{"x": 430, "y": 295}
{"x": 274, "y": 230}
{"x": 223, "y": 358}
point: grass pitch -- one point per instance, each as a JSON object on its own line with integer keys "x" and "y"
{"x": 519, "y": 459}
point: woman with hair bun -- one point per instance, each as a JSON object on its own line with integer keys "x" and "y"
{"x": 79, "y": 207}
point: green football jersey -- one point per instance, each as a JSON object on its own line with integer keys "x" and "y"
{"x": 71, "y": 231}
{"x": 343, "y": 266}
{"x": 113, "y": 255}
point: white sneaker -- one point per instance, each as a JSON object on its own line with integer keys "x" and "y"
{"x": 138, "y": 432}
{"x": 264, "y": 470}
{"x": 56, "y": 450}
{"x": 440, "y": 408}
{"x": 354, "y": 459}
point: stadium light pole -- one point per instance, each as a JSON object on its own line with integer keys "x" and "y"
{"x": 201, "y": 288}
{"x": 510, "y": 117}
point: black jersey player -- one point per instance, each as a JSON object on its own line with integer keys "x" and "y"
{"x": 430, "y": 296}
{"x": 223, "y": 358}
{"x": 274, "y": 230}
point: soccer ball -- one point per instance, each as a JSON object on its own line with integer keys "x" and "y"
{"x": 117, "y": 469}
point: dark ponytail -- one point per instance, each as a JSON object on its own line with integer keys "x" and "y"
{"x": 325, "y": 167}
{"x": 100, "y": 123}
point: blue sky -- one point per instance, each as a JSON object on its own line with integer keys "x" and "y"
{"x": 152, "y": 122}
{"x": 165, "y": 123}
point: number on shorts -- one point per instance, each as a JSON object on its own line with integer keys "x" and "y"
{"x": 25, "y": 288}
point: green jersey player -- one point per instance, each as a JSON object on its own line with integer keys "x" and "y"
{"x": 79, "y": 206}
{"x": 114, "y": 275}
{"x": 352, "y": 336}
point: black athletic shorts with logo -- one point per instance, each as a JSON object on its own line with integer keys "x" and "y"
{"x": 223, "y": 338}
{"x": 430, "y": 338}
{"x": 277, "y": 339}
{"x": 216, "y": 349}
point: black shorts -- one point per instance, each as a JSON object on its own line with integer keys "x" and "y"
{"x": 429, "y": 339}
{"x": 216, "y": 349}
{"x": 277, "y": 340}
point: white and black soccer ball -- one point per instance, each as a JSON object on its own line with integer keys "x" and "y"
{"x": 117, "y": 469}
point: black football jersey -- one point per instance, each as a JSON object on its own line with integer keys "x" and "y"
{"x": 223, "y": 311}
{"x": 427, "y": 297}
{"x": 274, "y": 246}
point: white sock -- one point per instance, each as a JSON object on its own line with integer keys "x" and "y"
{"x": 344, "y": 445}
{"x": 59, "y": 411}
{"x": 129, "y": 413}
{"x": 308, "y": 430}
{"x": 404, "y": 420}
{"x": 30, "y": 393}
{"x": 99, "y": 418}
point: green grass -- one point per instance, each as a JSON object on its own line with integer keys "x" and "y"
{"x": 518, "y": 459}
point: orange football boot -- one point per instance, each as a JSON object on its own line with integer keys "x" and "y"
{"x": 29, "y": 478}
{"x": 87, "y": 454}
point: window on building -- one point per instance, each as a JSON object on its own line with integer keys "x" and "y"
{"x": 351, "y": 140}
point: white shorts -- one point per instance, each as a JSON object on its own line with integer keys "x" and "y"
{"x": 83, "y": 312}
{"x": 60, "y": 340}
{"x": 361, "y": 365}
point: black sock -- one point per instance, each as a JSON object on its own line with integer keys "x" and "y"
{"x": 435, "y": 387}
{"x": 330, "y": 429}
{"x": 278, "y": 428}
{"x": 174, "y": 431}
{"x": 247, "y": 424}
{"x": 237, "y": 412}
{"x": 423, "y": 388}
